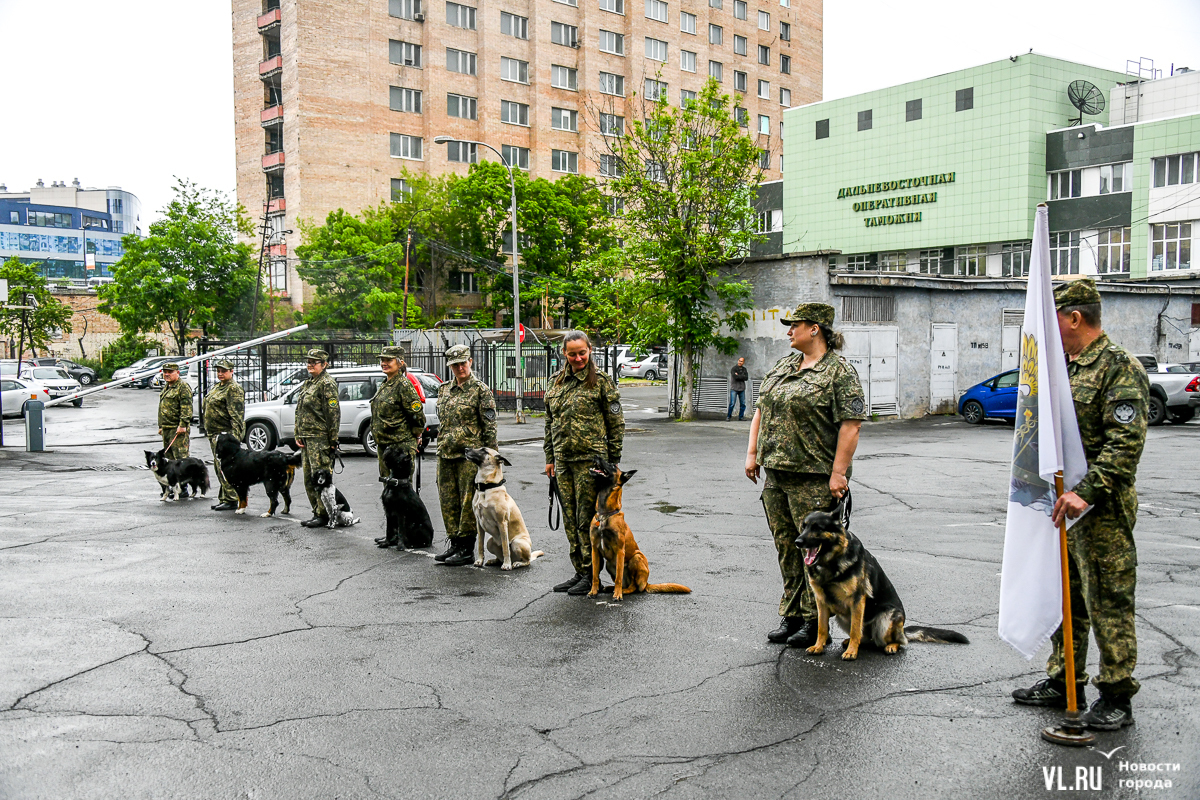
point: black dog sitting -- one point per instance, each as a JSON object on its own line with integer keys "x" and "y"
{"x": 243, "y": 468}
{"x": 408, "y": 522}
{"x": 176, "y": 476}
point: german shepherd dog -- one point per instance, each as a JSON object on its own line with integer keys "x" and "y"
{"x": 243, "y": 468}
{"x": 612, "y": 541}
{"x": 175, "y": 476}
{"x": 407, "y": 519}
{"x": 848, "y": 582}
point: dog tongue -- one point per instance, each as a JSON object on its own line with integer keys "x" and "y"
{"x": 810, "y": 555}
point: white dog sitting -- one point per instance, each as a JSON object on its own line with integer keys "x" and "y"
{"x": 497, "y": 518}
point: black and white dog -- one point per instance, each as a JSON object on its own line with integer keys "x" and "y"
{"x": 408, "y": 523}
{"x": 243, "y": 468}
{"x": 337, "y": 508}
{"x": 177, "y": 476}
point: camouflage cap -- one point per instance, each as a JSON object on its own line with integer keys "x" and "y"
{"x": 392, "y": 352}
{"x": 170, "y": 366}
{"x": 318, "y": 355}
{"x": 458, "y": 354}
{"x": 1079, "y": 292}
{"x": 821, "y": 313}
{"x": 224, "y": 363}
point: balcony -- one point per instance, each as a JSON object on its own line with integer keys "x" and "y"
{"x": 276, "y": 206}
{"x": 271, "y": 67}
{"x": 269, "y": 20}
{"x": 271, "y": 115}
{"x": 272, "y": 161}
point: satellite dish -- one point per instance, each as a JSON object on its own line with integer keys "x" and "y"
{"x": 1086, "y": 98}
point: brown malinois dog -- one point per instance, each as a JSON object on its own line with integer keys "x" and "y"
{"x": 613, "y": 546}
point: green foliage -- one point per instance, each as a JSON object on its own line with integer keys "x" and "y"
{"x": 189, "y": 272}
{"x": 121, "y": 352}
{"x": 35, "y": 327}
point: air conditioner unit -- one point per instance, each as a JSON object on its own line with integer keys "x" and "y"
{"x": 418, "y": 17}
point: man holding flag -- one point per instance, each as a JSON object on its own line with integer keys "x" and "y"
{"x": 1111, "y": 397}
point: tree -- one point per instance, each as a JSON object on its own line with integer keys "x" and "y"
{"x": 33, "y": 328}
{"x": 686, "y": 180}
{"x": 189, "y": 272}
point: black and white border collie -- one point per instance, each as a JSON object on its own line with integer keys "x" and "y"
{"x": 337, "y": 508}
{"x": 177, "y": 476}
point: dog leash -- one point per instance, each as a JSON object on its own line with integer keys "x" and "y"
{"x": 418, "y": 481}
{"x": 551, "y": 520}
{"x": 335, "y": 458}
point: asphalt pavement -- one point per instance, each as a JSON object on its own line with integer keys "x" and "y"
{"x": 162, "y": 650}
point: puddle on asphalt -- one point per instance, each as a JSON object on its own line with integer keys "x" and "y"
{"x": 664, "y": 507}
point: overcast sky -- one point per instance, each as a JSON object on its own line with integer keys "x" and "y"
{"x": 133, "y": 92}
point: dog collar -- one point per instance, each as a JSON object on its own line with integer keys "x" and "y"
{"x": 392, "y": 481}
{"x": 483, "y": 487}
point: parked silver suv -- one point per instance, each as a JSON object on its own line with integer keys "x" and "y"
{"x": 273, "y": 423}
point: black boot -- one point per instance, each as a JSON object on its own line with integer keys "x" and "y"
{"x": 1049, "y": 692}
{"x": 787, "y": 626}
{"x": 463, "y": 555}
{"x": 317, "y": 521}
{"x": 582, "y": 586}
{"x": 450, "y": 550}
{"x": 568, "y": 583}
{"x": 805, "y": 635}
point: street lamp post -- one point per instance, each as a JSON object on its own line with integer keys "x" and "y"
{"x": 407, "y": 246}
{"x": 512, "y": 182}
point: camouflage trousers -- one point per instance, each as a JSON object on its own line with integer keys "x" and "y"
{"x": 1102, "y": 571}
{"x": 787, "y": 498}
{"x": 456, "y": 490}
{"x": 315, "y": 455}
{"x": 578, "y": 493}
{"x": 183, "y": 444}
{"x": 228, "y": 494}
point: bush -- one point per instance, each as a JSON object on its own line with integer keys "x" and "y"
{"x": 120, "y": 353}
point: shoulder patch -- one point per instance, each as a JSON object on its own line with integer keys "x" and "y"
{"x": 614, "y": 407}
{"x": 333, "y": 401}
{"x": 856, "y": 405}
{"x": 416, "y": 405}
{"x": 489, "y": 414}
{"x": 1124, "y": 413}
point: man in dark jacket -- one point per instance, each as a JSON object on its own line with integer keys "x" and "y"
{"x": 737, "y": 389}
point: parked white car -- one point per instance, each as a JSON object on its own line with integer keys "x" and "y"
{"x": 16, "y": 392}
{"x": 273, "y": 423}
{"x": 56, "y": 380}
{"x": 653, "y": 367}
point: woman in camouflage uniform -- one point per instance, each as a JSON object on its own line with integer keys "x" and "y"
{"x": 318, "y": 418}
{"x": 467, "y": 418}
{"x": 397, "y": 414}
{"x": 804, "y": 433}
{"x": 583, "y": 419}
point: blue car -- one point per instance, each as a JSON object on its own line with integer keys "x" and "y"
{"x": 995, "y": 397}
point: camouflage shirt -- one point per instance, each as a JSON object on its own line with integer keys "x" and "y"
{"x": 397, "y": 416}
{"x": 802, "y": 411}
{"x": 582, "y": 422}
{"x": 317, "y": 409}
{"x": 225, "y": 409}
{"x": 175, "y": 406}
{"x": 1112, "y": 396}
{"x": 467, "y": 416}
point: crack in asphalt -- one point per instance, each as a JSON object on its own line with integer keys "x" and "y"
{"x": 51, "y": 684}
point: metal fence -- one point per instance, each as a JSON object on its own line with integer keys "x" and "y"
{"x": 268, "y": 370}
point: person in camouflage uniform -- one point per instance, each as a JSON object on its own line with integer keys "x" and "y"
{"x": 1112, "y": 397}
{"x": 397, "y": 414}
{"x": 583, "y": 419}
{"x": 318, "y": 419}
{"x": 804, "y": 433}
{"x": 175, "y": 413}
{"x": 224, "y": 412}
{"x": 467, "y": 416}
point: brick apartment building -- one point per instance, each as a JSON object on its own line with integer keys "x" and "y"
{"x": 333, "y": 97}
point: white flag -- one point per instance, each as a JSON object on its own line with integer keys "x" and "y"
{"x": 1046, "y": 441}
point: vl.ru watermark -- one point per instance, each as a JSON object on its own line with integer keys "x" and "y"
{"x": 1134, "y": 775}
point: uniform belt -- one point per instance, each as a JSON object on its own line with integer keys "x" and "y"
{"x": 483, "y": 487}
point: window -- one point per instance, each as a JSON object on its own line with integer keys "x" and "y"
{"x": 893, "y": 262}
{"x": 1064, "y": 253}
{"x": 512, "y": 25}
{"x": 405, "y": 100}
{"x": 714, "y": 3}
{"x": 616, "y": 206}
{"x": 859, "y": 263}
{"x": 615, "y": 6}
{"x": 686, "y": 97}
{"x": 764, "y": 124}
{"x": 514, "y": 70}
{"x": 459, "y": 282}
{"x": 564, "y": 77}
{"x": 460, "y": 16}
{"x": 14, "y": 217}
{"x": 564, "y": 119}
{"x": 770, "y": 221}
{"x": 656, "y": 49}
{"x": 864, "y": 120}
{"x": 764, "y": 159}
{"x": 612, "y": 43}
{"x": 929, "y": 262}
{"x": 566, "y": 35}
{"x": 404, "y": 146}
{"x": 657, "y": 10}
{"x": 611, "y": 125}
{"x": 1066, "y": 184}
{"x": 964, "y": 99}
{"x": 610, "y": 166}
{"x": 514, "y": 113}
{"x": 464, "y": 152}
{"x": 687, "y": 61}
{"x": 785, "y": 64}
{"x": 822, "y": 129}
{"x": 912, "y": 110}
{"x": 404, "y": 53}
{"x": 739, "y": 45}
{"x": 764, "y": 21}
{"x": 740, "y": 114}
{"x": 568, "y": 2}
{"x": 1112, "y": 251}
{"x": 49, "y": 219}
{"x": 785, "y": 31}
{"x": 785, "y": 98}
{"x": 460, "y": 61}
{"x": 564, "y": 161}
{"x": 739, "y": 81}
{"x": 764, "y": 54}
{"x": 460, "y": 106}
{"x": 739, "y": 9}
{"x": 404, "y": 9}
{"x": 1174, "y": 170}
{"x": 1114, "y": 178}
{"x": 764, "y": 89}
{"x": 714, "y": 70}
{"x": 714, "y": 34}
{"x": 656, "y": 171}
{"x": 687, "y": 22}
{"x": 655, "y": 89}
{"x": 971, "y": 261}
{"x": 612, "y": 84}
{"x": 1171, "y": 246}
{"x": 1014, "y": 259}
{"x": 515, "y": 156}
